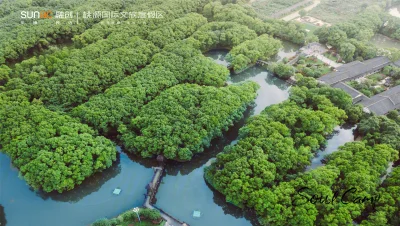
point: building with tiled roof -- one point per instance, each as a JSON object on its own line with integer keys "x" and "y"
{"x": 397, "y": 63}
{"x": 384, "y": 102}
{"x": 356, "y": 95}
{"x": 354, "y": 70}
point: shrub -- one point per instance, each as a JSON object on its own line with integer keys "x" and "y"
{"x": 150, "y": 214}
{"x": 114, "y": 222}
{"x": 129, "y": 215}
{"x": 283, "y": 71}
{"x": 102, "y": 222}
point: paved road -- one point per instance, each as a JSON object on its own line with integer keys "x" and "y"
{"x": 296, "y": 14}
{"x": 327, "y": 60}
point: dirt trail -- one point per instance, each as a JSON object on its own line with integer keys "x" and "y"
{"x": 296, "y": 14}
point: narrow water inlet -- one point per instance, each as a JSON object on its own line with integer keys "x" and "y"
{"x": 342, "y": 135}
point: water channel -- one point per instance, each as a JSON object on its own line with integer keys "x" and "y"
{"x": 182, "y": 190}
{"x": 340, "y": 136}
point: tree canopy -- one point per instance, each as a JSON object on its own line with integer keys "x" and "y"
{"x": 248, "y": 52}
{"x": 185, "y": 118}
{"x": 273, "y": 146}
{"x": 52, "y": 151}
{"x": 179, "y": 62}
{"x": 354, "y": 166}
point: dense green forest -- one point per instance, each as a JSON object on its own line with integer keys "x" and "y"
{"x": 179, "y": 62}
{"x": 266, "y": 168}
{"x": 184, "y": 118}
{"x": 52, "y": 151}
{"x": 282, "y": 140}
{"x": 70, "y": 93}
{"x": 110, "y": 73}
{"x": 248, "y": 52}
{"x": 16, "y": 38}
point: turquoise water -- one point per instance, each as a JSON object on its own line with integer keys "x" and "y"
{"x": 83, "y": 205}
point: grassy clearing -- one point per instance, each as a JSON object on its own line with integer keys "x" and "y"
{"x": 343, "y": 10}
{"x": 269, "y": 7}
{"x": 310, "y": 27}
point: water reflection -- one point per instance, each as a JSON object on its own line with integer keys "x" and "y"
{"x": 272, "y": 89}
{"x": 288, "y": 50}
{"x": 92, "y": 200}
{"x": 339, "y": 137}
{"x": 180, "y": 195}
{"x": 218, "y": 55}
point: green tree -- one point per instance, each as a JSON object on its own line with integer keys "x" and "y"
{"x": 284, "y": 71}
{"x": 347, "y": 50}
{"x": 185, "y": 118}
{"x": 52, "y": 151}
{"x": 302, "y": 13}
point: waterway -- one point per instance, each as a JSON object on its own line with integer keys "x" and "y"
{"x": 93, "y": 199}
{"x": 288, "y": 50}
{"x": 382, "y": 41}
{"x": 184, "y": 189}
{"x": 340, "y": 136}
{"x": 272, "y": 89}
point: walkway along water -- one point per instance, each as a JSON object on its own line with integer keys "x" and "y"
{"x": 152, "y": 189}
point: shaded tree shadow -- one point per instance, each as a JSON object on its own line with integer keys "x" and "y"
{"x": 3, "y": 220}
{"x": 233, "y": 210}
